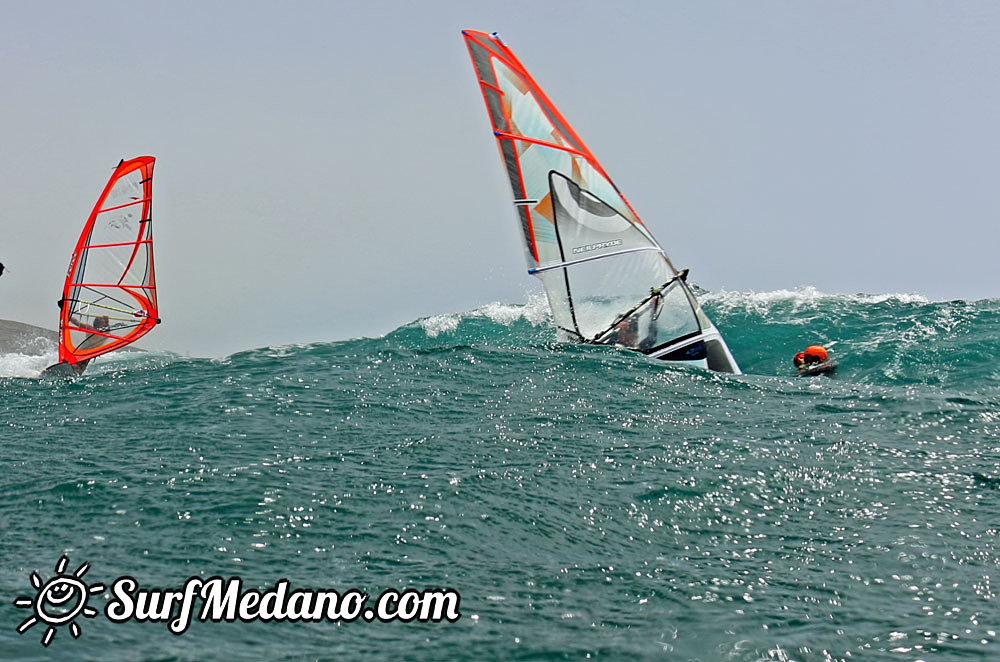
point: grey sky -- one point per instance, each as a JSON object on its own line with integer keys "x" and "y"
{"x": 326, "y": 169}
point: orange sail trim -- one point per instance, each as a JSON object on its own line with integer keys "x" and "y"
{"x": 543, "y": 143}
{"x": 495, "y": 63}
{"x": 109, "y": 295}
{"x": 511, "y": 61}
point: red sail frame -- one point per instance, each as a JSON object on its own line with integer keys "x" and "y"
{"x": 491, "y": 45}
{"x": 113, "y": 297}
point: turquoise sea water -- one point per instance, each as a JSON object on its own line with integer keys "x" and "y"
{"x": 585, "y": 502}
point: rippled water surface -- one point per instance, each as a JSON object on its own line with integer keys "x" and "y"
{"x": 582, "y": 501}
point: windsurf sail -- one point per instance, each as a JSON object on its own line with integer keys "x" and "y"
{"x": 606, "y": 277}
{"x": 109, "y": 296}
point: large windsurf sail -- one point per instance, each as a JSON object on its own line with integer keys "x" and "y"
{"x": 606, "y": 277}
{"x": 109, "y": 296}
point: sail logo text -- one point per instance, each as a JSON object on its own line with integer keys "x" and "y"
{"x": 598, "y": 246}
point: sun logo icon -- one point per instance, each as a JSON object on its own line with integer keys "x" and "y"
{"x": 59, "y": 601}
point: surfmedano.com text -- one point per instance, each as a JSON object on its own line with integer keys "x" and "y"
{"x": 225, "y": 600}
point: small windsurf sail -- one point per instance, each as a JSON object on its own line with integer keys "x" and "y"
{"x": 109, "y": 296}
{"x": 606, "y": 277}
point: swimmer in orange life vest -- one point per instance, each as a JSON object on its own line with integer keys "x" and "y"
{"x": 814, "y": 354}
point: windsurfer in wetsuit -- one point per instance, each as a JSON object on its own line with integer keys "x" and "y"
{"x": 812, "y": 355}
{"x": 102, "y": 324}
{"x": 627, "y": 333}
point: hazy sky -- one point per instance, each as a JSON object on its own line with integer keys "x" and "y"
{"x": 326, "y": 169}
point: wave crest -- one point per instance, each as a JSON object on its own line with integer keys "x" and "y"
{"x": 535, "y": 311}
{"x": 801, "y": 296}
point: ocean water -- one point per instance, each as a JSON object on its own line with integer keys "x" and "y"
{"x": 583, "y": 502}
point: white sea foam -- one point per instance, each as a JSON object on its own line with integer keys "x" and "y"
{"x": 25, "y": 365}
{"x": 42, "y": 353}
{"x": 438, "y": 324}
{"x": 32, "y": 355}
{"x": 802, "y": 296}
{"x": 534, "y": 311}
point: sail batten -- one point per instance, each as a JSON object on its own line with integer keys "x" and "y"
{"x": 563, "y": 265}
{"x": 121, "y": 243}
{"x": 606, "y": 277}
{"x": 122, "y": 206}
{"x": 124, "y": 287}
{"x": 109, "y": 294}
{"x": 543, "y": 143}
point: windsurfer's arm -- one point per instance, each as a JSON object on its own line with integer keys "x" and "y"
{"x": 72, "y": 318}
{"x": 82, "y": 325}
